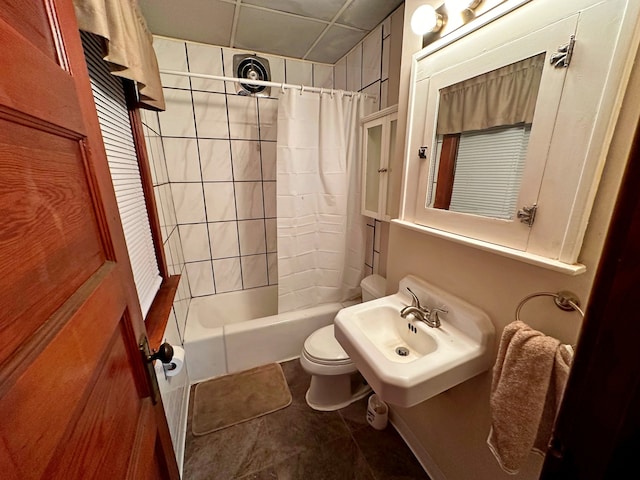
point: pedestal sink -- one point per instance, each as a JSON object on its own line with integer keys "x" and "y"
{"x": 404, "y": 360}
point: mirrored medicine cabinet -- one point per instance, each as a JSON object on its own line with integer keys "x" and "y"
{"x": 508, "y": 129}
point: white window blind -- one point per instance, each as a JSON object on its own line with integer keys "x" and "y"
{"x": 108, "y": 94}
{"x": 488, "y": 173}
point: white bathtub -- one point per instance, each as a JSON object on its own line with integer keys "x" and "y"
{"x": 231, "y": 332}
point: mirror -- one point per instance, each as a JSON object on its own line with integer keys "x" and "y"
{"x": 482, "y": 137}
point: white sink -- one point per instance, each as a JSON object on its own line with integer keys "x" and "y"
{"x": 404, "y": 360}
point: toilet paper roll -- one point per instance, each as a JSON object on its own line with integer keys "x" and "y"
{"x": 175, "y": 366}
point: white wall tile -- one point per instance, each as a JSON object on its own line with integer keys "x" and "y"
{"x": 200, "y": 278}
{"x": 299, "y": 72}
{"x": 245, "y": 156}
{"x": 205, "y": 59}
{"x": 272, "y": 268}
{"x": 269, "y": 199}
{"x": 175, "y": 244}
{"x": 372, "y": 104}
{"x": 354, "y": 69}
{"x": 160, "y": 163}
{"x": 386, "y": 50}
{"x": 150, "y": 119}
{"x": 384, "y": 94}
{"x": 372, "y": 57}
{"x": 254, "y": 271}
{"x": 340, "y": 74}
{"x": 269, "y": 157}
{"x": 224, "y": 239}
{"x": 386, "y": 27}
{"x": 171, "y": 55}
{"x": 220, "y": 203}
{"x": 177, "y": 119}
{"x": 195, "y": 242}
{"x": 249, "y": 200}
{"x": 215, "y": 160}
{"x": 276, "y": 67}
{"x": 211, "y": 115}
{"x": 322, "y": 75}
{"x": 188, "y": 202}
{"x": 168, "y": 206}
{"x": 268, "y": 111}
{"x": 252, "y": 237}
{"x": 227, "y": 274}
{"x": 243, "y": 117}
{"x": 183, "y": 164}
{"x": 271, "y": 226}
{"x": 368, "y": 253}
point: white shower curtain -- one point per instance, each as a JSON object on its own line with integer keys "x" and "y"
{"x": 321, "y": 233}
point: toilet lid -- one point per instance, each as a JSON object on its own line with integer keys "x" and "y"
{"x": 322, "y": 347}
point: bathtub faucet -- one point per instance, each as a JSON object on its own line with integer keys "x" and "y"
{"x": 429, "y": 316}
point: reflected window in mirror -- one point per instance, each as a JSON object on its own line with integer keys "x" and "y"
{"x": 482, "y": 131}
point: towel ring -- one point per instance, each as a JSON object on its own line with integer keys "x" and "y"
{"x": 564, "y": 300}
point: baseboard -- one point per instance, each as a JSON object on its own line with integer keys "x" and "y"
{"x": 416, "y": 447}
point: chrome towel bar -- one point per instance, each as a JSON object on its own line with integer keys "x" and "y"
{"x": 564, "y": 300}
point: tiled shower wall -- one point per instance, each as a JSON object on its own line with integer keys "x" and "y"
{"x": 174, "y": 390}
{"x": 220, "y": 152}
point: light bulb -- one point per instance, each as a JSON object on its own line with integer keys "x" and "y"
{"x": 425, "y": 19}
{"x": 460, "y": 5}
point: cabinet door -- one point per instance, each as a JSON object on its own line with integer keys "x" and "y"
{"x": 508, "y": 230}
{"x": 375, "y": 145}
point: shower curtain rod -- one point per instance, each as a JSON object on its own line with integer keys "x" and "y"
{"x": 302, "y": 88}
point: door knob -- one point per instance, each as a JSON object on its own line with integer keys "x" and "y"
{"x": 164, "y": 353}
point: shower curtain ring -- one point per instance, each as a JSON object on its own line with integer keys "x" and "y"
{"x": 321, "y": 91}
{"x": 282, "y": 88}
{"x": 301, "y": 89}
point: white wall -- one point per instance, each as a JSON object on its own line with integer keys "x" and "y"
{"x": 453, "y": 426}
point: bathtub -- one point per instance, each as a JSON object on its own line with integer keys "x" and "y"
{"x": 231, "y": 332}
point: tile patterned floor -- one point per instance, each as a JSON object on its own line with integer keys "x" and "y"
{"x": 298, "y": 443}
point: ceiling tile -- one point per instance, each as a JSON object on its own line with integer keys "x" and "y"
{"x": 366, "y": 14}
{"x": 276, "y": 33}
{"x": 335, "y": 44}
{"x": 206, "y": 21}
{"x": 323, "y": 9}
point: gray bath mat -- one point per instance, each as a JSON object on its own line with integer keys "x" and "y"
{"x": 232, "y": 399}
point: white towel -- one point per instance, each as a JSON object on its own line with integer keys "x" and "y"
{"x": 528, "y": 382}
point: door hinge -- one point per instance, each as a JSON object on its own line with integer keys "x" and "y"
{"x": 527, "y": 215}
{"x": 562, "y": 58}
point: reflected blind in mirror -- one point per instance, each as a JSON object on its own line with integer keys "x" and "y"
{"x": 489, "y": 168}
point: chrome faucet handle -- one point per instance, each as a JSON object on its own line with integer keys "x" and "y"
{"x": 434, "y": 315}
{"x": 416, "y": 302}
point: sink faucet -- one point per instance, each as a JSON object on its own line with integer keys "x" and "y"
{"x": 429, "y": 316}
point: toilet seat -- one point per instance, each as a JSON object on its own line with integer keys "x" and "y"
{"x": 322, "y": 348}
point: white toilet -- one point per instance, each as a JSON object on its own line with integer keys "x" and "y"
{"x": 335, "y": 381}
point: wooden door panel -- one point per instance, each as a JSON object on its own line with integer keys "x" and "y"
{"x": 31, "y": 19}
{"x": 74, "y": 396}
{"x": 54, "y": 244}
{"x": 91, "y": 449}
{"x": 50, "y": 393}
{"x": 29, "y": 77}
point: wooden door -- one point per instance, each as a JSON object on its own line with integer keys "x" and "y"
{"x": 74, "y": 394}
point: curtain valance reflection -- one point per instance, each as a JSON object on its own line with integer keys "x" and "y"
{"x": 506, "y": 96}
{"x": 127, "y": 44}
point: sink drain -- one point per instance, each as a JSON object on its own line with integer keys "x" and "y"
{"x": 402, "y": 351}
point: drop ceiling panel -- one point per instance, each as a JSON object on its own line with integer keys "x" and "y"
{"x": 322, "y": 9}
{"x": 335, "y": 44}
{"x": 366, "y": 14}
{"x": 206, "y": 21}
{"x": 272, "y": 32}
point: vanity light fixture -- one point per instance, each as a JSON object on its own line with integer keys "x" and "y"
{"x": 460, "y": 5}
{"x": 425, "y": 20}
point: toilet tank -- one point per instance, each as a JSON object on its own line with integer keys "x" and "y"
{"x": 373, "y": 286}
